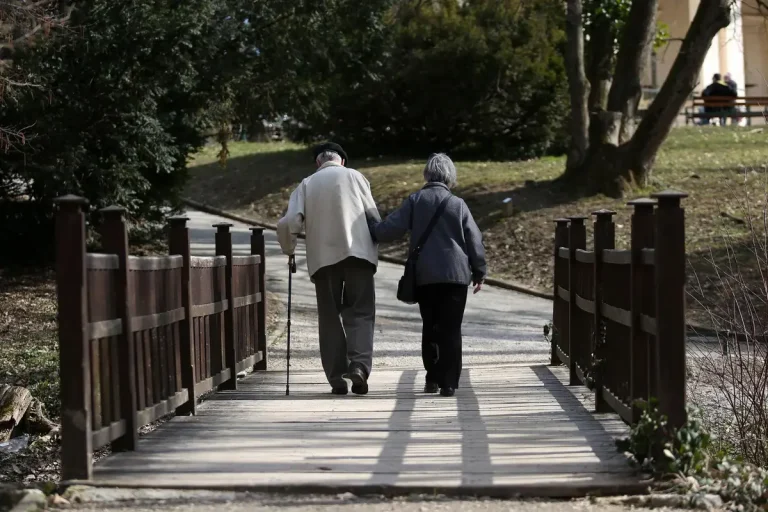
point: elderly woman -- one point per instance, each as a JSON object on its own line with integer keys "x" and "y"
{"x": 452, "y": 257}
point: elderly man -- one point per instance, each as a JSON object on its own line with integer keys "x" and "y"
{"x": 341, "y": 258}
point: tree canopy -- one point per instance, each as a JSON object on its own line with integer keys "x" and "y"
{"x": 124, "y": 93}
{"x": 108, "y": 99}
{"x": 485, "y": 77}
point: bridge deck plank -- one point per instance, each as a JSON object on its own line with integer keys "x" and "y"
{"x": 514, "y": 429}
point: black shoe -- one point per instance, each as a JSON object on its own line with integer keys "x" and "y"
{"x": 431, "y": 387}
{"x": 339, "y": 391}
{"x": 359, "y": 380}
{"x": 447, "y": 391}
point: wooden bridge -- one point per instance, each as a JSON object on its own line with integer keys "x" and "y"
{"x": 143, "y": 338}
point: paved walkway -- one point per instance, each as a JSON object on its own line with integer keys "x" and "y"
{"x": 513, "y": 427}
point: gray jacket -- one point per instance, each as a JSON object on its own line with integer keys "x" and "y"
{"x": 454, "y": 251}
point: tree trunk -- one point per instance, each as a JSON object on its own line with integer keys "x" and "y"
{"x": 14, "y": 402}
{"x": 711, "y": 17}
{"x": 600, "y": 63}
{"x": 634, "y": 54}
{"x": 578, "y": 86}
{"x": 605, "y": 154}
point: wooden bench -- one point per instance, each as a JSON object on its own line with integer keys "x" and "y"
{"x": 740, "y": 108}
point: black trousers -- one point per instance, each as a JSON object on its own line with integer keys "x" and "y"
{"x": 442, "y": 312}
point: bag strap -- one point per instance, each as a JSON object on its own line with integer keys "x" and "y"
{"x": 431, "y": 225}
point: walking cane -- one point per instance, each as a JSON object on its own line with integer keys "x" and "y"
{"x": 291, "y": 271}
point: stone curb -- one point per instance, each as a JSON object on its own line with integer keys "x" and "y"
{"x": 522, "y": 491}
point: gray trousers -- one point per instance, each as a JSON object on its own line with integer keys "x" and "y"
{"x": 346, "y": 308}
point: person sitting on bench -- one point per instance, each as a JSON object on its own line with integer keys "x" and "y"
{"x": 719, "y": 91}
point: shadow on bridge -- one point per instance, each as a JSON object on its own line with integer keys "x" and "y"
{"x": 510, "y": 429}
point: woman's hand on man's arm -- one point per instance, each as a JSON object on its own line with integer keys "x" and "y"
{"x": 373, "y": 220}
{"x": 395, "y": 226}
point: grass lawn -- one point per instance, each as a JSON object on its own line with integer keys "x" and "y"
{"x": 716, "y": 166}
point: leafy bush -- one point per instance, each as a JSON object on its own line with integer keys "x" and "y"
{"x": 307, "y": 51}
{"x": 655, "y": 447}
{"x": 121, "y": 97}
{"x": 118, "y": 106}
{"x": 484, "y": 77}
{"x": 687, "y": 463}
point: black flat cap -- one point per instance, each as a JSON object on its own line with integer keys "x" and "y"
{"x": 330, "y": 146}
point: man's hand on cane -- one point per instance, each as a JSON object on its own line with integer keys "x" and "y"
{"x": 292, "y": 263}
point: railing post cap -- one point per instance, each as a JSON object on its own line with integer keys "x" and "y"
{"x": 642, "y": 201}
{"x": 577, "y": 219}
{"x": 669, "y": 196}
{"x": 71, "y": 200}
{"x": 603, "y": 213}
{"x": 561, "y": 221}
{"x": 178, "y": 219}
{"x": 114, "y": 210}
{"x": 256, "y": 229}
{"x": 223, "y": 225}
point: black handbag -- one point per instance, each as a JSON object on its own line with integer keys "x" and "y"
{"x": 406, "y": 288}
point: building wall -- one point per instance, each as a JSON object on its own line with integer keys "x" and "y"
{"x": 731, "y": 44}
{"x": 755, "y": 27}
{"x": 676, "y": 15}
{"x": 741, "y": 49}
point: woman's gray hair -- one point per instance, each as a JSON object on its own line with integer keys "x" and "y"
{"x": 328, "y": 156}
{"x": 440, "y": 169}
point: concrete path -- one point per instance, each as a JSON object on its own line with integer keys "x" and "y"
{"x": 513, "y": 428}
{"x": 499, "y": 326}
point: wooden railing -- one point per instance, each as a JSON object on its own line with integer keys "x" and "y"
{"x": 144, "y": 337}
{"x": 619, "y": 315}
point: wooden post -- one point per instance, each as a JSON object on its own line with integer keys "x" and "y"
{"x": 561, "y": 240}
{"x": 178, "y": 244}
{"x": 74, "y": 360}
{"x": 258, "y": 247}
{"x": 114, "y": 235}
{"x": 670, "y": 306}
{"x": 605, "y": 238}
{"x": 641, "y": 352}
{"x": 577, "y": 239}
{"x": 224, "y": 248}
